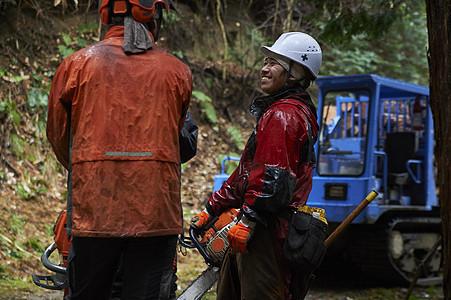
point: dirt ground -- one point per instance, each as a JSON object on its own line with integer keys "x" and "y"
{"x": 316, "y": 293}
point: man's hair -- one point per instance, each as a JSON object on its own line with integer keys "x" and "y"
{"x": 309, "y": 78}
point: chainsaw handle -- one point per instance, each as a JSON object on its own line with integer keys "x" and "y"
{"x": 186, "y": 242}
{"x": 201, "y": 249}
{"x": 189, "y": 242}
{"x": 49, "y": 265}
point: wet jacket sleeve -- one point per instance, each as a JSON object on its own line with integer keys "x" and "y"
{"x": 59, "y": 111}
{"x": 226, "y": 197}
{"x": 281, "y": 133}
{"x": 188, "y": 139}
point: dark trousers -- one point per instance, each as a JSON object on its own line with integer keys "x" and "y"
{"x": 261, "y": 274}
{"x": 253, "y": 276}
{"x": 147, "y": 266}
{"x": 119, "y": 281}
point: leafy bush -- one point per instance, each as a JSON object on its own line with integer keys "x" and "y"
{"x": 64, "y": 49}
{"x": 206, "y": 103}
{"x": 87, "y": 28}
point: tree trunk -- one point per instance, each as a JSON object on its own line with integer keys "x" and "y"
{"x": 439, "y": 31}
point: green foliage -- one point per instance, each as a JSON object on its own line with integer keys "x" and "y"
{"x": 17, "y": 79}
{"x": 37, "y": 99}
{"x": 49, "y": 229}
{"x": 4, "y": 72}
{"x": 209, "y": 82}
{"x": 64, "y": 49}
{"x": 351, "y": 60}
{"x": 87, "y": 27}
{"x": 201, "y": 96}
{"x": 64, "y": 195}
{"x": 431, "y": 290}
{"x": 401, "y": 55}
{"x": 169, "y": 20}
{"x": 35, "y": 244}
{"x": 206, "y": 103}
{"x": 229, "y": 165}
{"x": 388, "y": 38}
{"x": 347, "y": 24}
{"x": 23, "y": 191}
{"x": 3, "y": 271}
{"x": 10, "y": 108}
{"x": 68, "y": 46}
{"x": 13, "y": 253}
{"x": 179, "y": 54}
{"x": 18, "y": 145}
{"x": 29, "y": 188}
{"x": 10, "y": 287}
{"x": 372, "y": 18}
{"x": 66, "y": 39}
{"x": 81, "y": 43}
{"x": 236, "y": 136}
{"x": 16, "y": 223}
{"x": 188, "y": 214}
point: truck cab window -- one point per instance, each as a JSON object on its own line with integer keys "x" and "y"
{"x": 343, "y": 133}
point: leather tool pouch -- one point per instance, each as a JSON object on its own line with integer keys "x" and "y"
{"x": 304, "y": 244}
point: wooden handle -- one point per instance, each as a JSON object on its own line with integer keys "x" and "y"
{"x": 371, "y": 196}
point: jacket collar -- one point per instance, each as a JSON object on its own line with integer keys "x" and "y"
{"x": 118, "y": 31}
{"x": 115, "y": 31}
{"x": 261, "y": 104}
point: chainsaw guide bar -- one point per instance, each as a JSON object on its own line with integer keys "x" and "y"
{"x": 201, "y": 284}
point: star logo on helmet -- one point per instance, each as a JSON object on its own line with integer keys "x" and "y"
{"x": 304, "y": 57}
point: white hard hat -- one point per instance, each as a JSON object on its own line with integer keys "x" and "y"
{"x": 299, "y": 47}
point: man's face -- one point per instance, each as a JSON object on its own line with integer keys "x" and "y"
{"x": 273, "y": 76}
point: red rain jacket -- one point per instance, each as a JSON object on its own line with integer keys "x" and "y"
{"x": 275, "y": 170}
{"x": 273, "y": 173}
{"x": 114, "y": 121}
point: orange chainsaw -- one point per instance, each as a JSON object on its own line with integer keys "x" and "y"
{"x": 212, "y": 244}
{"x": 62, "y": 242}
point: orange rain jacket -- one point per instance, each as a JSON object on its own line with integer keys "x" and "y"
{"x": 114, "y": 121}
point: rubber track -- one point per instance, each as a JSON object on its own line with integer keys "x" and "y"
{"x": 369, "y": 249}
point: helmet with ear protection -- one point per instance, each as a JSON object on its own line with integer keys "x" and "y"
{"x": 141, "y": 10}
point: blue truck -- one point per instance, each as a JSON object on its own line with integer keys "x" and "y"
{"x": 376, "y": 133}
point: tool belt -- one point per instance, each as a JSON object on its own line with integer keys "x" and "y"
{"x": 304, "y": 245}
